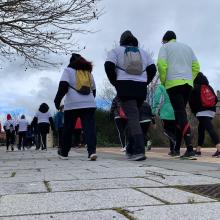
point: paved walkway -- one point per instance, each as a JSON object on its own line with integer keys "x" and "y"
{"x": 37, "y": 185}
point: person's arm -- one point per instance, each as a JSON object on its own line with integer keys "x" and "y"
{"x": 34, "y": 122}
{"x": 110, "y": 66}
{"x": 110, "y": 69}
{"x": 162, "y": 65}
{"x": 62, "y": 90}
{"x": 151, "y": 72}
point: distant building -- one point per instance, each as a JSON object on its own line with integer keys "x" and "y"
{"x": 218, "y": 103}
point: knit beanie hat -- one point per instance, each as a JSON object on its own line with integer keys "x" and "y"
{"x": 74, "y": 57}
{"x": 127, "y": 38}
{"x": 169, "y": 35}
{"x": 8, "y": 117}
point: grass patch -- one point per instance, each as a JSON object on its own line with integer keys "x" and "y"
{"x": 13, "y": 174}
{"x": 47, "y": 185}
{"x": 124, "y": 213}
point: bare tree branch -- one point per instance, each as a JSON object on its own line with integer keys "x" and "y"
{"x": 35, "y": 28}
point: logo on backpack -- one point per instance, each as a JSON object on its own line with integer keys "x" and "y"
{"x": 132, "y": 61}
{"x": 207, "y": 96}
{"x": 83, "y": 82}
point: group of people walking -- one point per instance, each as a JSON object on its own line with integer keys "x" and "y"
{"x": 130, "y": 70}
{"x": 34, "y": 133}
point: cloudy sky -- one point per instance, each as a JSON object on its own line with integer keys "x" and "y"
{"x": 195, "y": 23}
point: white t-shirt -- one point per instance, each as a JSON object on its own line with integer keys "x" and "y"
{"x": 43, "y": 117}
{"x": 8, "y": 123}
{"x": 74, "y": 100}
{"x": 116, "y": 56}
{"x": 23, "y": 124}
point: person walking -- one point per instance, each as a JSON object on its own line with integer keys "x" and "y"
{"x": 163, "y": 108}
{"x": 22, "y": 127}
{"x": 78, "y": 87}
{"x": 44, "y": 120}
{"x": 178, "y": 67}
{"x": 9, "y": 127}
{"x": 203, "y": 104}
{"x": 130, "y": 69}
{"x": 120, "y": 120}
{"x": 59, "y": 119}
{"x": 146, "y": 120}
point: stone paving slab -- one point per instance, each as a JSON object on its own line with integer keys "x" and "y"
{"x": 171, "y": 195}
{"x": 183, "y": 180}
{"x": 102, "y": 184}
{"x": 72, "y": 201}
{"x": 17, "y": 188}
{"x": 206, "y": 211}
{"x": 89, "y": 215}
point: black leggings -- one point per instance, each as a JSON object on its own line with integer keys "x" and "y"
{"x": 205, "y": 123}
{"x": 21, "y": 139}
{"x": 173, "y": 133}
{"x": 179, "y": 96}
{"x": 121, "y": 127}
{"x": 42, "y": 140}
{"x": 10, "y": 138}
{"x": 87, "y": 115}
{"x": 145, "y": 127}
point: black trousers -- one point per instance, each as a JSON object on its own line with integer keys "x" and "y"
{"x": 10, "y": 138}
{"x": 60, "y": 137}
{"x": 135, "y": 135}
{"x": 173, "y": 133}
{"x": 121, "y": 127}
{"x": 87, "y": 116}
{"x": 179, "y": 96}
{"x": 77, "y": 137}
{"x": 205, "y": 123}
{"x": 21, "y": 139}
{"x": 41, "y": 140}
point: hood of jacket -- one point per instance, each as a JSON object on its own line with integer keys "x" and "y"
{"x": 44, "y": 108}
{"x": 201, "y": 79}
{"x": 128, "y": 39}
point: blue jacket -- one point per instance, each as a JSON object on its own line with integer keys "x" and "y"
{"x": 59, "y": 120}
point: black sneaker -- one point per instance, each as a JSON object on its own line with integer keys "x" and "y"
{"x": 171, "y": 153}
{"x": 137, "y": 157}
{"x": 61, "y": 156}
{"x": 188, "y": 155}
{"x": 176, "y": 153}
{"x": 216, "y": 154}
{"x": 198, "y": 153}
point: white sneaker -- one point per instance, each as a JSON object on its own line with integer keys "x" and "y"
{"x": 93, "y": 157}
{"x": 63, "y": 158}
{"x": 123, "y": 149}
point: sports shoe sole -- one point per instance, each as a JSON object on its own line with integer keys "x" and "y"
{"x": 63, "y": 158}
{"x": 93, "y": 157}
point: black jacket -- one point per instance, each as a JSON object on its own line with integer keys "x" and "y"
{"x": 195, "y": 100}
{"x": 129, "y": 88}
